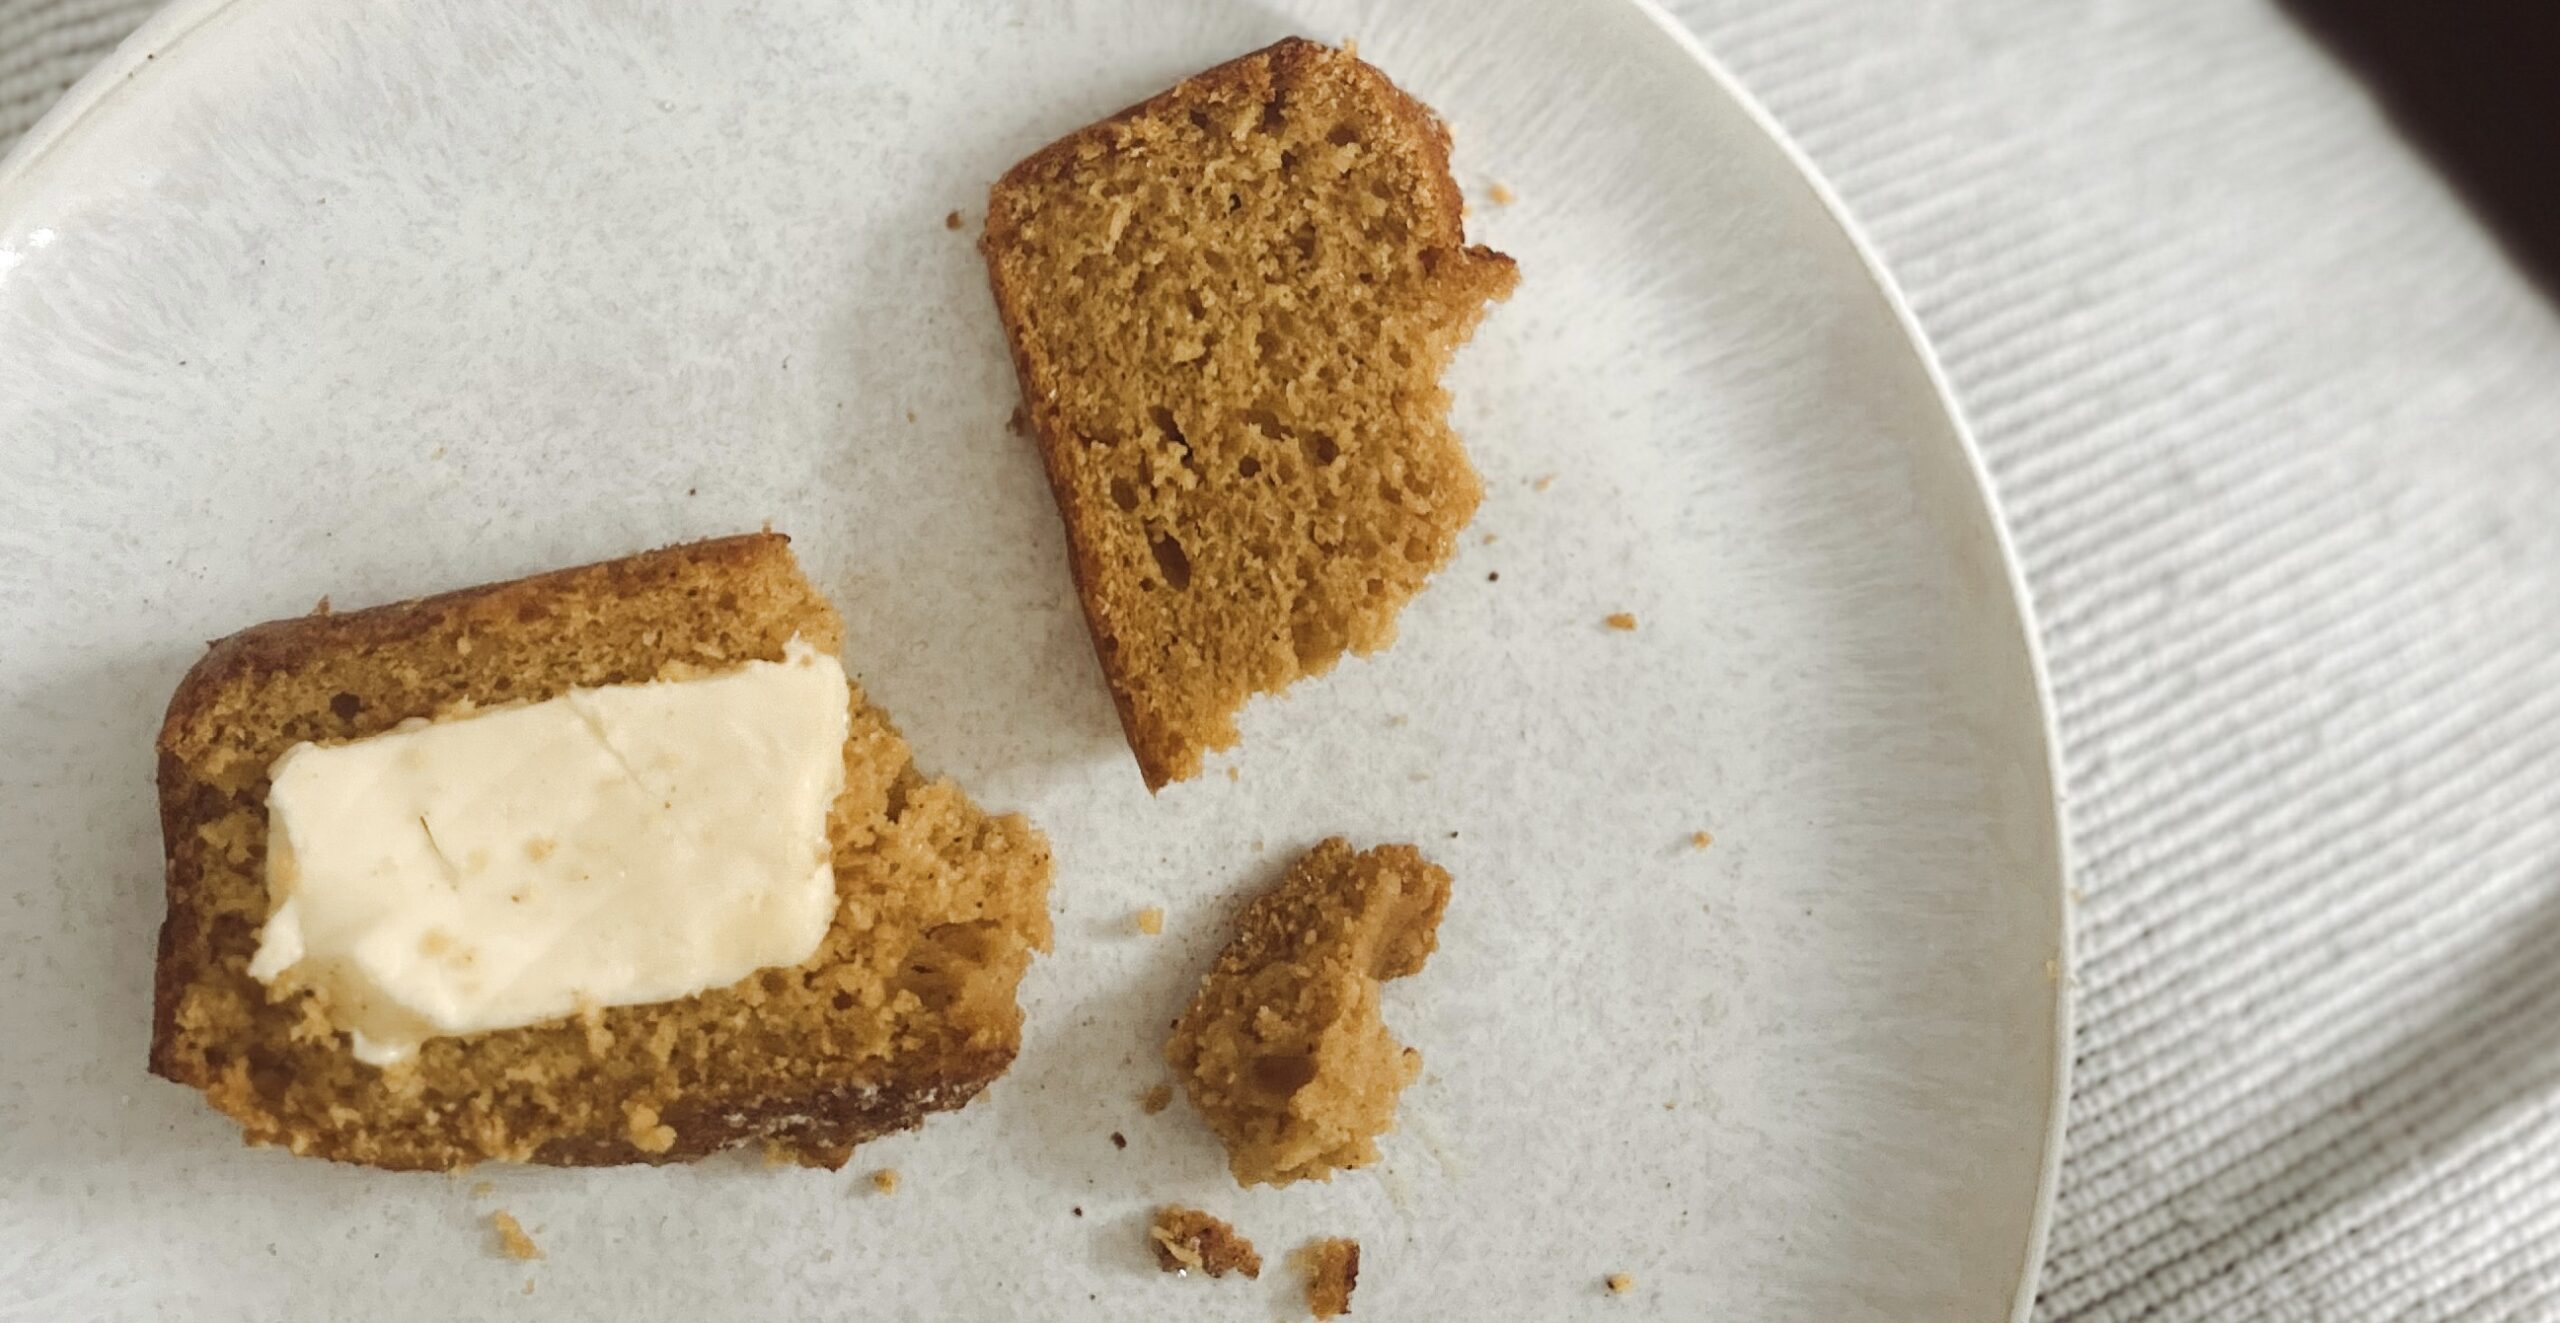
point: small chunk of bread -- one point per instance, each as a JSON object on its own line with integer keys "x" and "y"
{"x": 1283, "y": 1051}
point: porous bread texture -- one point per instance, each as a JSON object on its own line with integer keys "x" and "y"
{"x": 1283, "y": 1051}
{"x": 1229, "y": 308}
{"x": 906, "y": 1008}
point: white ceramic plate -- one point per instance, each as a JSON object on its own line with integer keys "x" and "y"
{"x": 304, "y": 297}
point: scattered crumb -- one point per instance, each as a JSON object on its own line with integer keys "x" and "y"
{"x": 1488, "y": 539}
{"x": 437, "y": 453}
{"x": 1151, "y": 920}
{"x": 1501, "y": 194}
{"x": 646, "y": 1132}
{"x": 1543, "y": 483}
{"x": 528, "y": 1286}
{"x": 911, "y": 415}
{"x": 321, "y": 607}
{"x": 1119, "y": 1140}
{"x": 1397, "y": 720}
{"x": 483, "y": 1189}
{"x": 1621, "y": 620}
{"x": 512, "y": 1241}
{"x": 1186, "y": 1239}
{"x": 1156, "y": 1099}
{"x": 2052, "y": 969}
{"x": 1701, "y": 839}
{"x": 1619, "y": 1283}
{"x": 953, "y": 221}
{"x": 1232, "y": 775}
{"x": 1493, "y": 576}
{"x": 1332, "y": 1267}
{"x": 1078, "y": 1210}
{"x": 885, "y": 1180}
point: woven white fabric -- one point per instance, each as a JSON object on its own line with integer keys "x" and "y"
{"x": 2278, "y": 430}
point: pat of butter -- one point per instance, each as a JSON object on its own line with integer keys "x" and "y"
{"x": 610, "y": 847}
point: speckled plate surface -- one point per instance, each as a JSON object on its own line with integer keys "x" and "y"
{"x": 304, "y": 297}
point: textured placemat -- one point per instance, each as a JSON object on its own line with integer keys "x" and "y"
{"x": 2279, "y": 433}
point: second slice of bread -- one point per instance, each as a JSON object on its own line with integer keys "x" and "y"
{"x": 1229, "y": 308}
{"x": 907, "y": 1008}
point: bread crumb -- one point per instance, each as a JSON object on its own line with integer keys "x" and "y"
{"x": 911, "y": 415}
{"x": 1156, "y": 1099}
{"x": 1151, "y": 920}
{"x": 1232, "y": 774}
{"x": 528, "y": 1286}
{"x": 1619, "y": 1283}
{"x": 1701, "y": 840}
{"x": 1489, "y": 539}
{"x": 512, "y": 1241}
{"x": 437, "y": 453}
{"x": 2052, "y": 970}
{"x": 953, "y": 221}
{"x": 1186, "y": 1239}
{"x": 321, "y": 607}
{"x": 1119, "y": 1140}
{"x": 1543, "y": 483}
{"x": 885, "y": 1180}
{"x": 483, "y": 1189}
{"x": 1621, "y": 620}
{"x": 1502, "y": 196}
{"x": 1332, "y": 1267}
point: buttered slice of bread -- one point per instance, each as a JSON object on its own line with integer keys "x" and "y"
{"x": 906, "y": 1008}
{"x": 1229, "y": 309}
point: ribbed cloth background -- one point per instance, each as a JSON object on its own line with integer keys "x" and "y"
{"x": 2279, "y": 432}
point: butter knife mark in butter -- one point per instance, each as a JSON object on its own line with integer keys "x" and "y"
{"x": 609, "y": 847}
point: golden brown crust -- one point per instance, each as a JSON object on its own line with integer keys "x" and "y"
{"x": 907, "y": 1008}
{"x": 1282, "y": 1051}
{"x": 1177, "y": 683}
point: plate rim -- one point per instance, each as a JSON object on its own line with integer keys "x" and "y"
{"x": 2021, "y": 596}
{"x": 172, "y": 23}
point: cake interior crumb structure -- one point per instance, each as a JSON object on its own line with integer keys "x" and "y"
{"x": 1229, "y": 309}
{"x": 908, "y": 1007}
{"x": 1283, "y": 1052}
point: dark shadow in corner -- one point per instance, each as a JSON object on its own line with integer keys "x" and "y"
{"x": 2477, "y": 87}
